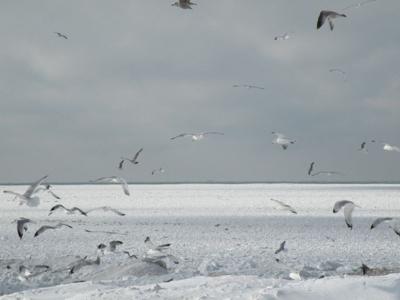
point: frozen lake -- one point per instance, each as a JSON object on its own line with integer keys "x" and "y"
{"x": 214, "y": 230}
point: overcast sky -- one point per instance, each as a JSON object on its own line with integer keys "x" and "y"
{"x": 135, "y": 73}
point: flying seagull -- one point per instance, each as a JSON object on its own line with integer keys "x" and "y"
{"x": 281, "y": 247}
{"x": 311, "y": 168}
{"x": 106, "y": 208}
{"x": 284, "y": 206}
{"x": 283, "y": 37}
{"x": 28, "y": 197}
{"x": 327, "y": 173}
{"x": 348, "y": 207}
{"x": 328, "y": 15}
{"x": 390, "y": 148}
{"x": 84, "y": 262}
{"x": 156, "y": 254}
{"x": 69, "y": 211}
{"x": 22, "y": 226}
{"x": 196, "y": 136}
{"x": 395, "y": 228}
{"x": 155, "y": 171}
{"x": 61, "y": 35}
{"x": 363, "y": 147}
{"x": 47, "y": 188}
{"x": 106, "y": 232}
{"x": 130, "y": 255}
{"x": 357, "y": 5}
{"x": 248, "y": 86}
{"x": 185, "y": 4}
{"x": 282, "y": 140}
{"x": 341, "y": 72}
{"x": 47, "y": 227}
{"x": 115, "y": 179}
{"x": 133, "y": 160}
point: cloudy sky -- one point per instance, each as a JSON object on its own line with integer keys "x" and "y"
{"x": 135, "y": 73}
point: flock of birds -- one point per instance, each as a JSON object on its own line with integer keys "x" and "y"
{"x": 156, "y": 253}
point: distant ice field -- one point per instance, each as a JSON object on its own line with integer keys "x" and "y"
{"x": 215, "y": 230}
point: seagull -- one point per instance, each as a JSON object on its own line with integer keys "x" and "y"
{"x": 47, "y": 227}
{"x": 284, "y": 206}
{"x": 25, "y": 273}
{"x": 133, "y": 160}
{"x": 84, "y": 262}
{"x": 112, "y": 246}
{"x": 184, "y": 4}
{"x": 357, "y": 5}
{"x": 160, "y": 170}
{"x": 396, "y": 227}
{"x": 311, "y": 168}
{"x": 21, "y": 226}
{"x": 282, "y": 140}
{"x": 156, "y": 254}
{"x": 196, "y": 136}
{"x": 150, "y": 244}
{"x": 47, "y": 188}
{"x": 69, "y": 211}
{"x": 282, "y": 37}
{"x": 61, "y": 35}
{"x": 363, "y": 147}
{"x": 106, "y": 208}
{"x": 328, "y": 15}
{"x": 281, "y": 248}
{"x": 115, "y": 179}
{"x": 107, "y": 232}
{"x": 130, "y": 255}
{"x": 248, "y": 86}
{"x": 327, "y": 173}
{"x": 28, "y": 197}
{"x": 340, "y": 71}
{"x": 390, "y": 148}
{"x": 348, "y": 210}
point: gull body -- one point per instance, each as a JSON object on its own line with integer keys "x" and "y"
{"x": 282, "y": 140}
{"x": 282, "y": 37}
{"x": 390, "y": 148}
{"x": 348, "y": 207}
{"x": 131, "y": 160}
{"x": 115, "y": 179}
{"x": 29, "y": 198}
{"x": 22, "y": 226}
{"x": 184, "y": 4}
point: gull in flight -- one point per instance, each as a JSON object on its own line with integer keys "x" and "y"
{"x": 115, "y": 179}
{"x": 155, "y": 171}
{"x": 28, "y": 197}
{"x": 282, "y": 140}
{"x": 22, "y": 226}
{"x": 107, "y": 232}
{"x": 358, "y": 5}
{"x": 69, "y": 211}
{"x": 390, "y": 148}
{"x": 396, "y": 227}
{"x": 327, "y": 173}
{"x": 47, "y": 227}
{"x": 130, "y": 255}
{"x": 328, "y": 15}
{"x": 341, "y": 72}
{"x": 281, "y": 248}
{"x": 106, "y": 208}
{"x": 311, "y": 168}
{"x": 83, "y": 263}
{"x": 196, "y": 136}
{"x": 284, "y": 206}
{"x": 47, "y": 188}
{"x": 248, "y": 86}
{"x": 133, "y": 160}
{"x": 59, "y": 34}
{"x": 363, "y": 146}
{"x": 185, "y": 4}
{"x": 156, "y": 254}
{"x": 348, "y": 207}
{"x": 283, "y": 37}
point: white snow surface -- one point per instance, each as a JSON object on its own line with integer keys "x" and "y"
{"x": 223, "y": 236}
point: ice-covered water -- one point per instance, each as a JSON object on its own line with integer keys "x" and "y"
{"x": 214, "y": 230}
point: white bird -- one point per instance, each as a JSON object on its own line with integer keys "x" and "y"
{"x": 185, "y": 4}
{"x": 282, "y": 140}
{"x": 282, "y": 37}
{"x": 47, "y": 188}
{"x": 395, "y": 227}
{"x": 390, "y": 148}
{"x": 348, "y": 207}
{"x": 379, "y": 221}
{"x": 47, "y": 227}
{"x": 133, "y": 160}
{"x": 284, "y": 206}
{"x": 196, "y": 136}
{"x": 69, "y": 211}
{"x": 328, "y": 15}
{"x": 106, "y": 208}
{"x": 357, "y": 5}
{"x": 29, "y": 197}
{"x": 248, "y": 86}
{"x": 155, "y": 171}
{"x": 22, "y": 226}
{"x": 115, "y": 179}
{"x": 281, "y": 248}
{"x": 61, "y": 35}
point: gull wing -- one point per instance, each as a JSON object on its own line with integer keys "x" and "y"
{"x": 121, "y": 164}
{"x": 284, "y": 205}
{"x": 180, "y": 135}
{"x": 31, "y": 190}
{"x": 311, "y": 168}
{"x": 348, "y": 212}
{"x": 54, "y": 195}
{"x": 57, "y": 207}
{"x": 379, "y": 221}
{"x": 21, "y": 226}
{"x": 321, "y": 19}
{"x": 331, "y": 25}
{"x": 339, "y": 204}
{"x": 106, "y": 208}
{"x": 213, "y": 132}
{"x": 79, "y": 210}
{"x": 43, "y": 229}
{"x": 124, "y": 185}
{"x": 137, "y": 154}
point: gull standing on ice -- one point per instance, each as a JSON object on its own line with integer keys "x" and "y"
{"x": 328, "y": 15}
{"x": 284, "y": 206}
{"x": 185, "y": 4}
{"x": 282, "y": 140}
{"x": 348, "y": 207}
{"x": 47, "y": 227}
{"x": 22, "y": 226}
{"x": 28, "y": 197}
{"x": 106, "y": 208}
{"x": 196, "y": 136}
{"x": 115, "y": 179}
{"x": 133, "y": 160}
{"x": 69, "y": 211}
